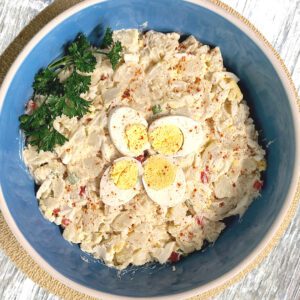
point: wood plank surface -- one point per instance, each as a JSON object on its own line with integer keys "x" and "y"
{"x": 278, "y": 277}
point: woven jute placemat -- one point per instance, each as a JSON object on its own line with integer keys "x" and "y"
{"x": 7, "y": 240}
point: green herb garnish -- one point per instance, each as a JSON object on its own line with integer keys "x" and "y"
{"x": 78, "y": 55}
{"x": 64, "y": 97}
{"x": 115, "y": 48}
{"x": 156, "y": 109}
{"x": 77, "y": 84}
{"x": 114, "y": 54}
{"x": 39, "y": 130}
{"x": 59, "y": 98}
{"x": 107, "y": 39}
{"x": 46, "y": 82}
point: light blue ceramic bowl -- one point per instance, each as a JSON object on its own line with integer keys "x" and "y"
{"x": 268, "y": 92}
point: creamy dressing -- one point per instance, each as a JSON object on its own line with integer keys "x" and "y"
{"x": 222, "y": 175}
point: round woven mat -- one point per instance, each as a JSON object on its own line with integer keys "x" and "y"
{"x": 7, "y": 240}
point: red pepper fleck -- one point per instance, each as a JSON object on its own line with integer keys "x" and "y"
{"x": 204, "y": 177}
{"x": 191, "y": 235}
{"x": 221, "y": 204}
{"x": 258, "y": 185}
{"x": 126, "y": 94}
{"x": 55, "y": 212}
{"x": 174, "y": 257}
{"x": 141, "y": 158}
{"x": 197, "y": 80}
{"x": 199, "y": 221}
{"x": 30, "y": 107}
{"x": 103, "y": 77}
{"x": 65, "y": 222}
{"x": 82, "y": 191}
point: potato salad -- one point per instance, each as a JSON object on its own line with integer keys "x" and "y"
{"x": 163, "y": 151}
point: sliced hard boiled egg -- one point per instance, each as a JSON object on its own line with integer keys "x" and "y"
{"x": 128, "y": 131}
{"x": 175, "y": 135}
{"x": 121, "y": 181}
{"x": 163, "y": 181}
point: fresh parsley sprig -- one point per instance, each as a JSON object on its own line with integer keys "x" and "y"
{"x": 115, "y": 48}
{"x": 156, "y": 109}
{"x": 46, "y": 82}
{"x": 59, "y": 98}
{"x": 107, "y": 39}
{"x": 64, "y": 97}
{"x": 39, "y": 130}
{"x": 79, "y": 54}
{"x": 114, "y": 54}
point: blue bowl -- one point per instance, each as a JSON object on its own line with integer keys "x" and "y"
{"x": 273, "y": 107}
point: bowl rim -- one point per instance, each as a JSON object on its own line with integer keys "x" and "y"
{"x": 254, "y": 257}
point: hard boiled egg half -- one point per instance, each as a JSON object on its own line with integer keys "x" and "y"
{"x": 128, "y": 131}
{"x": 175, "y": 135}
{"x": 121, "y": 181}
{"x": 163, "y": 181}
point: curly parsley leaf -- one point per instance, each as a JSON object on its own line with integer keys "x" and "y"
{"x": 75, "y": 106}
{"x": 77, "y": 84}
{"x": 115, "y": 48}
{"x": 39, "y": 130}
{"x": 39, "y": 118}
{"x": 71, "y": 105}
{"x": 79, "y": 55}
{"x": 156, "y": 109}
{"x": 46, "y": 82}
{"x": 82, "y": 55}
{"x": 55, "y": 105}
{"x": 114, "y": 54}
{"x": 80, "y": 44}
{"x": 107, "y": 39}
{"x": 45, "y": 138}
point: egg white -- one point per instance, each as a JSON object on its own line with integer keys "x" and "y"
{"x": 193, "y": 132}
{"x": 111, "y": 195}
{"x": 118, "y": 120}
{"x": 171, "y": 195}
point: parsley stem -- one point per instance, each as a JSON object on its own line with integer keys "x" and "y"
{"x": 101, "y": 52}
{"x": 60, "y": 62}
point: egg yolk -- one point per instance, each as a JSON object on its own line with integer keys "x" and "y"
{"x": 136, "y": 136}
{"x": 124, "y": 174}
{"x": 166, "y": 139}
{"x": 159, "y": 173}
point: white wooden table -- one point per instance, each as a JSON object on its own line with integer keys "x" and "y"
{"x": 278, "y": 277}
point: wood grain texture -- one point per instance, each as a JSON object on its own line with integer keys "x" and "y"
{"x": 278, "y": 277}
